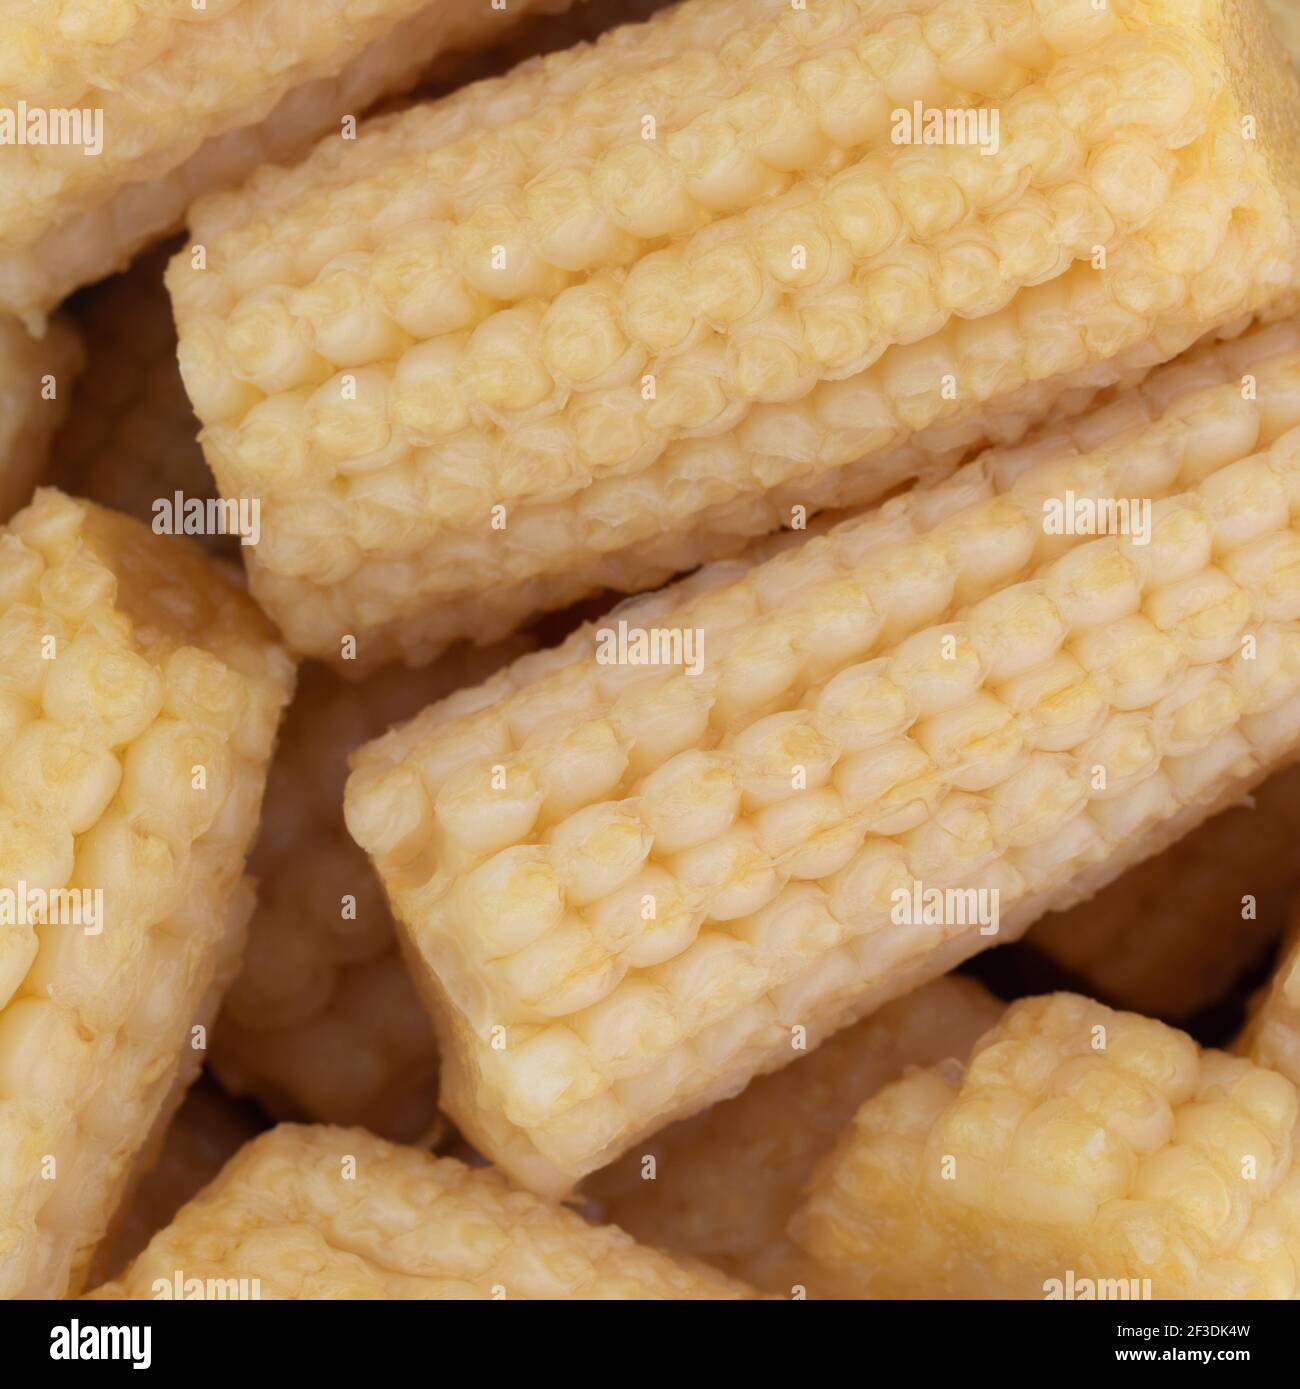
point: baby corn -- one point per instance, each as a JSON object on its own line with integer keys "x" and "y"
{"x": 121, "y": 114}
{"x": 36, "y": 380}
{"x": 624, "y": 884}
{"x": 590, "y": 324}
{"x": 1171, "y": 936}
{"x": 338, "y": 1213}
{"x": 323, "y": 1022}
{"x": 208, "y": 1130}
{"x": 139, "y": 695}
{"x": 1272, "y": 1034}
{"x": 723, "y": 1186}
{"x": 131, "y": 438}
{"x": 1080, "y": 1147}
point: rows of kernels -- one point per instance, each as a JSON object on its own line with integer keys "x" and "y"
{"x": 762, "y": 327}
{"x": 1066, "y": 1149}
{"x": 143, "y": 694}
{"x": 36, "y": 382}
{"x": 1272, "y": 1034}
{"x": 725, "y": 1184}
{"x": 185, "y": 112}
{"x": 1163, "y": 939}
{"x": 950, "y": 793}
{"x": 329, "y": 1213}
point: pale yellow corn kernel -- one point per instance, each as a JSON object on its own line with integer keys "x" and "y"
{"x": 598, "y": 849}
{"x": 690, "y": 799}
{"x": 1071, "y": 1129}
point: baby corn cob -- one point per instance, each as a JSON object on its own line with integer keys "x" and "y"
{"x": 588, "y": 325}
{"x": 1272, "y": 1034}
{"x": 623, "y": 884}
{"x": 1169, "y": 937}
{"x": 208, "y": 1130}
{"x": 175, "y": 100}
{"x": 724, "y": 1185}
{"x": 1079, "y": 1144}
{"x": 324, "y": 1023}
{"x": 35, "y": 385}
{"x": 139, "y": 695}
{"x": 338, "y": 1213}
{"x": 131, "y": 438}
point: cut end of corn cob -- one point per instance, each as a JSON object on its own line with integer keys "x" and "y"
{"x": 591, "y": 324}
{"x": 207, "y": 1131}
{"x": 139, "y": 695}
{"x": 723, "y": 1185}
{"x": 131, "y": 438}
{"x": 36, "y": 380}
{"x": 1272, "y": 1034}
{"x": 1169, "y": 937}
{"x": 337, "y": 1213}
{"x": 1081, "y": 1146}
{"x": 625, "y": 878}
{"x": 323, "y": 1022}
{"x": 120, "y": 114}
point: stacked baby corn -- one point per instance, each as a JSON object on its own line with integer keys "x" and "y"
{"x": 1170, "y": 935}
{"x": 337, "y": 1213}
{"x": 1080, "y": 1146}
{"x": 1272, "y": 1035}
{"x": 139, "y": 696}
{"x": 36, "y": 381}
{"x": 609, "y": 316}
{"x": 723, "y": 1186}
{"x": 323, "y": 1022}
{"x": 627, "y": 887}
{"x": 119, "y": 114}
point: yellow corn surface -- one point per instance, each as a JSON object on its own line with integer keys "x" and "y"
{"x": 1171, "y": 935}
{"x": 1080, "y": 1146}
{"x": 623, "y": 884}
{"x": 36, "y": 383}
{"x": 592, "y": 323}
{"x": 1272, "y": 1034}
{"x": 323, "y": 1022}
{"x": 338, "y": 1213}
{"x": 131, "y": 438}
{"x": 723, "y": 1185}
{"x": 139, "y": 695}
{"x": 153, "y": 105}
{"x": 206, "y": 1132}
{"x": 1286, "y": 20}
